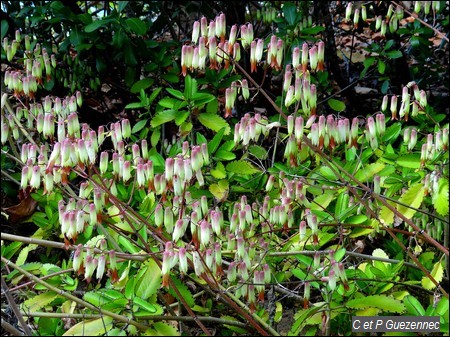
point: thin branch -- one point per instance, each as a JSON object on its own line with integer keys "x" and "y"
{"x": 12, "y": 330}
{"x": 15, "y": 308}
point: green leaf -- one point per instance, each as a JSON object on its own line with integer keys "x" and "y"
{"x": 290, "y": 12}
{"x": 183, "y": 290}
{"x": 356, "y": 219}
{"x": 413, "y": 306}
{"x": 147, "y": 306}
{"x": 369, "y": 171}
{"x": 39, "y": 301}
{"x": 336, "y": 105}
{"x": 142, "y": 85}
{"x": 410, "y": 160}
{"x": 356, "y": 232}
{"x": 224, "y": 155}
{"x": 170, "y": 77}
{"x": 239, "y": 331}
{"x": 214, "y": 143}
{"x": 212, "y": 107}
{"x": 392, "y": 132}
{"x": 258, "y": 151}
{"x": 190, "y": 87}
{"x": 220, "y": 190}
{"x": 176, "y": 93}
{"x": 96, "y": 25}
{"x": 139, "y": 126}
{"x": 181, "y": 117}
{"x": 394, "y": 54}
{"x": 201, "y": 99}
{"x": 369, "y": 61}
{"x": 386, "y": 215}
{"x": 150, "y": 281}
{"x": 322, "y": 201}
{"x": 381, "y": 67}
{"x": 341, "y": 203}
{"x": 4, "y": 28}
{"x": 135, "y": 105}
{"x": 412, "y": 199}
{"x": 156, "y": 135}
{"x": 137, "y": 26}
{"x": 168, "y": 102}
{"x": 201, "y": 139}
{"x": 161, "y": 329}
{"x": 219, "y": 171}
{"x": 214, "y": 122}
{"x": 122, "y": 5}
{"x": 227, "y": 146}
{"x": 385, "y": 303}
{"x": 163, "y": 117}
{"x": 241, "y": 167}
{"x": 94, "y": 327}
{"x": 440, "y": 199}
{"x": 437, "y": 273}
{"x": 312, "y": 30}
{"x": 328, "y": 173}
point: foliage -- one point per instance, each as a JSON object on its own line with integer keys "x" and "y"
{"x": 227, "y": 172}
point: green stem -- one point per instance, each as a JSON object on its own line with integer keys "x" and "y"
{"x": 4, "y": 173}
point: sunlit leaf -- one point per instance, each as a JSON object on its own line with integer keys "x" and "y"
{"x": 150, "y": 281}
{"x": 437, "y": 273}
{"x": 220, "y": 190}
{"x": 241, "y": 167}
{"x": 214, "y": 122}
{"x": 94, "y": 327}
{"x": 219, "y": 172}
{"x": 163, "y": 117}
{"x": 365, "y": 174}
{"x": 440, "y": 199}
{"x": 412, "y": 199}
{"x": 413, "y": 306}
{"x": 385, "y": 303}
{"x": 39, "y": 301}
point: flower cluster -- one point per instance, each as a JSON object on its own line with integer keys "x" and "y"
{"x": 431, "y": 147}
{"x": 414, "y": 102}
{"x": 249, "y": 128}
{"x": 302, "y": 91}
{"x": 25, "y": 82}
{"x": 86, "y": 262}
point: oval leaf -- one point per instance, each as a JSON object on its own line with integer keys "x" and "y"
{"x": 336, "y": 105}
{"x": 437, "y": 273}
{"x": 95, "y": 327}
{"x": 141, "y": 84}
{"x": 241, "y": 167}
{"x": 137, "y": 26}
{"x": 412, "y": 199}
{"x": 382, "y": 302}
{"x": 214, "y": 122}
{"x": 150, "y": 282}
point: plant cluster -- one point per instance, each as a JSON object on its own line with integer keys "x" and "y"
{"x": 187, "y": 207}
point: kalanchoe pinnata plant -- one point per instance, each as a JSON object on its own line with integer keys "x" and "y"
{"x": 229, "y": 211}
